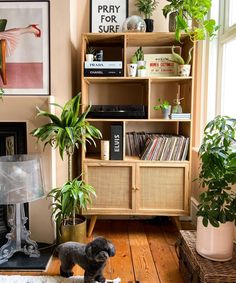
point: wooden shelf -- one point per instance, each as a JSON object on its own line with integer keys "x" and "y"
{"x": 138, "y": 120}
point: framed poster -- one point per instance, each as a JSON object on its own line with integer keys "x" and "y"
{"x": 107, "y": 15}
{"x": 24, "y": 42}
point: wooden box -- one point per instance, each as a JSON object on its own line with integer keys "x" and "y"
{"x": 196, "y": 269}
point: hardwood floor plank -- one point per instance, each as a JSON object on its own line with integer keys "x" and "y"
{"x": 162, "y": 253}
{"x": 121, "y": 264}
{"x": 144, "y": 267}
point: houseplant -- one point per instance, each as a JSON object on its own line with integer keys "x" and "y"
{"x": 90, "y": 53}
{"x": 67, "y": 132}
{"x": 217, "y": 206}
{"x": 136, "y": 60}
{"x": 189, "y": 17}
{"x": 142, "y": 71}
{"x": 147, "y": 7}
{"x": 164, "y": 106}
{"x": 184, "y": 67}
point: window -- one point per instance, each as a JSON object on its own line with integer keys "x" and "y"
{"x": 220, "y": 97}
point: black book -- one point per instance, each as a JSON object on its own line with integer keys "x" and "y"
{"x": 116, "y": 147}
{"x": 103, "y": 72}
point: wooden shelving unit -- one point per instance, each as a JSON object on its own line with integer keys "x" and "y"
{"x": 132, "y": 186}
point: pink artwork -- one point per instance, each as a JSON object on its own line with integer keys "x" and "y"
{"x": 24, "y": 48}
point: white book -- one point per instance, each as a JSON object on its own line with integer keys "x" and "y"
{"x": 103, "y": 65}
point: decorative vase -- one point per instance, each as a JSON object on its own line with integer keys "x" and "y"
{"x": 166, "y": 113}
{"x": 184, "y": 70}
{"x": 149, "y": 25}
{"x": 215, "y": 243}
{"x": 75, "y": 233}
{"x": 172, "y": 22}
{"x": 132, "y": 70}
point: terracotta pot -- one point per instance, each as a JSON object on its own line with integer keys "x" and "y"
{"x": 215, "y": 243}
{"x": 75, "y": 233}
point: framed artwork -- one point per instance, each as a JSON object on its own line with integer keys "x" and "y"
{"x": 107, "y": 15}
{"x": 24, "y": 47}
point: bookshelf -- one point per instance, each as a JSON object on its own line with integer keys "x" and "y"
{"x": 132, "y": 186}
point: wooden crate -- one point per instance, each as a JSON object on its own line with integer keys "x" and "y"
{"x": 196, "y": 269}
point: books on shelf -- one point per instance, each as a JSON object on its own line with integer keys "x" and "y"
{"x": 159, "y": 147}
{"x": 103, "y": 68}
{"x": 180, "y": 116}
{"x": 116, "y": 144}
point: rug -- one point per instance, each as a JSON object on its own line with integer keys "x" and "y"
{"x": 44, "y": 279}
{"x": 40, "y": 279}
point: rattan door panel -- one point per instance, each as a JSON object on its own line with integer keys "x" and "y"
{"x": 114, "y": 187}
{"x": 163, "y": 190}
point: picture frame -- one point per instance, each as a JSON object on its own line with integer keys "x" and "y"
{"x": 108, "y": 15}
{"x": 26, "y": 70}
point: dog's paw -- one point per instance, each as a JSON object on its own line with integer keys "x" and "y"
{"x": 100, "y": 279}
{"x": 66, "y": 274}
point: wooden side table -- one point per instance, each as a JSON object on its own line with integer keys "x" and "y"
{"x": 196, "y": 269}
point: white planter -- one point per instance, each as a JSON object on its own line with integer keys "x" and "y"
{"x": 89, "y": 57}
{"x": 215, "y": 243}
{"x": 166, "y": 113}
{"x": 142, "y": 73}
{"x": 141, "y": 63}
{"x": 132, "y": 70}
{"x": 184, "y": 70}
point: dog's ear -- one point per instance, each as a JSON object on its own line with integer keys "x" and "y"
{"x": 111, "y": 250}
{"x": 101, "y": 256}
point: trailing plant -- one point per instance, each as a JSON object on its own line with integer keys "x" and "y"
{"x": 179, "y": 59}
{"x": 67, "y": 132}
{"x": 162, "y": 105}
{"x": 146, "y": 7}
{"x": 218, "y": 172}
{"x": 196, "y": 11}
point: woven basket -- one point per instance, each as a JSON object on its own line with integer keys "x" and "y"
{"x": 196, "y": 269}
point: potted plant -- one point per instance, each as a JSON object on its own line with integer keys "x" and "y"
{"x": 184, "y": 67}
{"x": 142, "y": 71}
{"x": 90, "y": 53}
{"x": 140, "y": 57}
{"x": 68, "y": 131}
{"x": 217, "y": 205}
{"x": 164, "y": 106}
{"x": 147, "y": 7}
{"x": 189, "y": 17}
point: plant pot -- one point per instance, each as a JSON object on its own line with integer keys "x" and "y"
{"x": 75, "y": 233}
{"x": 215, "y": 243}
{"x": 142, "y": 73}
{"x": 132, "y": 70}
{"x": 184, "y": 70}
{"x": 149, "y": 25}
{"x": 89, "y": 57}
{"x": 3, "y": 23}
{"x": 166, "y": 113}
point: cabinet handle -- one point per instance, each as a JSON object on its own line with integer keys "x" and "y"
{"x": 133, "y": 189}
{"x": 137, "y": 189}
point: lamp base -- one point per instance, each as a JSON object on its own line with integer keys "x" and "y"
{"x": 18, "y": 238}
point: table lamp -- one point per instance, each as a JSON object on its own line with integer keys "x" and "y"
{"x": 20, "y": 181}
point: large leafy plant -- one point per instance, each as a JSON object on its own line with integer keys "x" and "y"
{"x": 68, "y": 131}
{"x": 146, "y": 7}
{"x": 196, "y": 11}
{"x": 218, "y": 172}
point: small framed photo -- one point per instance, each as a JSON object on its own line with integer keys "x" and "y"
{"x": 107, "y": 15}
{"x": 24, "y": 42}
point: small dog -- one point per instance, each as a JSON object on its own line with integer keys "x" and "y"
{"x": 91, "y": 257}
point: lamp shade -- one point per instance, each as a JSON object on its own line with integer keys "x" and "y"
{"x": 20, "y": 179}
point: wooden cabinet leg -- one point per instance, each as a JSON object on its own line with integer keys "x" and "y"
{"x": 91, "y": 225}
{"x": 176, "y": 221}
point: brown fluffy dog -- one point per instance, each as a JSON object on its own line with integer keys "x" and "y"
{"x": 91, "y": 257}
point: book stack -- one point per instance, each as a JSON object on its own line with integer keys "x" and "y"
{"x": 103, "y": 69}
{"x": 180, "y": 116}
{"x": 157, "y": 146}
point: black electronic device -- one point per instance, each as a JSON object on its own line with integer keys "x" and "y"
{"x": 117, "y": 111}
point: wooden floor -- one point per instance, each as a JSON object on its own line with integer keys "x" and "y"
{"x": 145, "y": 251}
